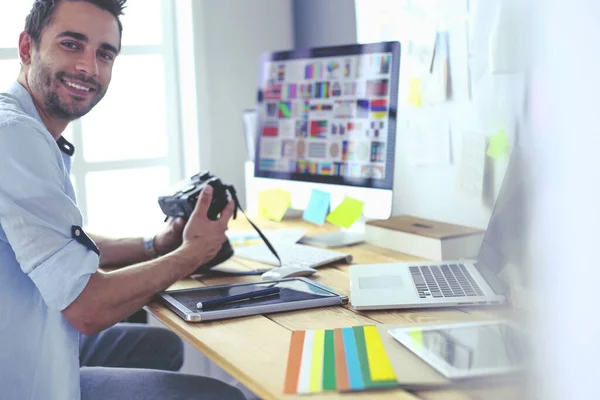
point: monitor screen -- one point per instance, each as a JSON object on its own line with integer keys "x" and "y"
{"x": 328, "y": 115}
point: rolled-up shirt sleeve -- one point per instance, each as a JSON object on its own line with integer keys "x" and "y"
{"x": 37, "y": 214}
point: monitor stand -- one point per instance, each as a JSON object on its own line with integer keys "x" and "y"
{"x": 343, "y": 238}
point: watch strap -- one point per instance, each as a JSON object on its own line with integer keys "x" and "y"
{"x": 149, "y": 247}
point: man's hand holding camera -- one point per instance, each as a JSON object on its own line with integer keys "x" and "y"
{"x": 170, "y": 237}
{"x": 203, "y": 237}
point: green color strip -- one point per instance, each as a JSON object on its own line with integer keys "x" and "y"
{"x": 361, "y": 347}
{"x": 329, "y": 380}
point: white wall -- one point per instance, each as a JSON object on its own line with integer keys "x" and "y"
{"x": 483, "y": 103}
{"x": 431, "y": 191}
{"x": 229, "y": 36}
{"x": 564, "y": 139}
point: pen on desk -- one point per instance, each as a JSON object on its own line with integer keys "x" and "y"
{"x": 203, "y": 305}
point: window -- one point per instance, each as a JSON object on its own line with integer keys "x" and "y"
{"x": 128, "y": 147}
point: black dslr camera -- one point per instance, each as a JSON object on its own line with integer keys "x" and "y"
{"x": 182, "y": 203}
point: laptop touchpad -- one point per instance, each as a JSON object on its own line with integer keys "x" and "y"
{"x": 380, "y": 282}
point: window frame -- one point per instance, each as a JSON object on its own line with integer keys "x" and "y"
{"x": 173, "y": 160}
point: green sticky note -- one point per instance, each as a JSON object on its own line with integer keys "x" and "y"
{"x": 346, "y": 213}
{"x": 273, "y": 203}
{"x": 498, "y": 144}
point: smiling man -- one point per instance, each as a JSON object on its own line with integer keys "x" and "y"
{"x": 70, "y": 70}
{"x": 57, "y": 309}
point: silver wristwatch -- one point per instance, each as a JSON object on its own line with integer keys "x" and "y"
{"x": 149, "y": 248}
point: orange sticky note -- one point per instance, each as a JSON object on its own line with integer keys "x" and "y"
{"x": 273, "y": 203}
{"x": 414, "y": 92}
{"x": 346, "y": 213}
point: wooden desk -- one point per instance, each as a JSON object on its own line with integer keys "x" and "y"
{"x": 254, "y": 349}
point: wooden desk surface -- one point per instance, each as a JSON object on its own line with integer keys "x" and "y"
{"x": 254, "y": 349}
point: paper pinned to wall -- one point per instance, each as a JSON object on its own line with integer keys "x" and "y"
{"x": 436, "y": 87}
{"x": 428, "y": 138}
{"x": 482, "y": 15}
{"x": 421, "y": 46}
{"x": 471, "y": 169}
{"x": 414, "y": 92}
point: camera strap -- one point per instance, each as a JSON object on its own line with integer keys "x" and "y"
{"x": 262, "y": 236}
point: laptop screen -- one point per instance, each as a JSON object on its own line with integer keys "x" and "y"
{"x": 502, "y": 254}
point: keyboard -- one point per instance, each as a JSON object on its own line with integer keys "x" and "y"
{"x": 453, "y": 280}
{"x": 292, "y": 254}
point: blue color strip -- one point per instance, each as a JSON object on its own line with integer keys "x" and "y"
{"x": 354, "y": 373}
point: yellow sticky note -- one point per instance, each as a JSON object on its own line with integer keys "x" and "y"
{"x": 498, "y": 144}
{"x": 346, "y": 213}
{"x": 273, "y": 203}
{"x": 414, "y": 92}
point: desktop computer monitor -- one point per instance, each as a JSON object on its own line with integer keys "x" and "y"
{"x": 327, "y": 120}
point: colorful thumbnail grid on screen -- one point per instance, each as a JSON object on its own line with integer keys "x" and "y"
{"x": 327, "y": 116}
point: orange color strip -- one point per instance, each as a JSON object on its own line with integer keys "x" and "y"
{"x": 341, "y": 369}
{"x": 292, "y": 374}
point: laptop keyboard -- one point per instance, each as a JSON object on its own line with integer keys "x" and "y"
{"x": 451, "y": 280}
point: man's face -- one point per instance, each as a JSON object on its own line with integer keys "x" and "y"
{"x": 70, "y": 72}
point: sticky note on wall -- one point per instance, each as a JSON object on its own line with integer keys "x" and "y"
{"x": 414, "y": 92}
{"x": 498, "y": 144}
{"x": 346, "y": 213}
{"x": 318, "y": 207}
{"x": 273, "y": 203}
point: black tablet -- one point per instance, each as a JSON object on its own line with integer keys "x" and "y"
{"x": 292, "y": 294}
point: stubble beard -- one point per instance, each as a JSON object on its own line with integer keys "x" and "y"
{"x": 43, "y": 80}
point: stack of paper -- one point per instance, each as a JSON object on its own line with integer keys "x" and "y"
{"x": 347, "y": 359}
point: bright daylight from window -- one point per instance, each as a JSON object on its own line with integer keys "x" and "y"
{"x": 127, "y": 146}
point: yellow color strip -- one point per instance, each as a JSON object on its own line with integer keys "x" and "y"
{"x": 316, "y": 371}
{"x": 379, "y": 364}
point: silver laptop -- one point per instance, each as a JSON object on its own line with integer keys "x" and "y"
{"x": 487, "y": 280}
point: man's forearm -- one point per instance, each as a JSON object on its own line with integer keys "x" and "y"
{"x": 110, "y": 297}
{"x": 117, "y": 253}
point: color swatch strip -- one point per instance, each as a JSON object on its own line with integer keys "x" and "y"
{"x": 347, "y": 359}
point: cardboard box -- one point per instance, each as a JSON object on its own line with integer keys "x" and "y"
{"x": 425, "y": 238}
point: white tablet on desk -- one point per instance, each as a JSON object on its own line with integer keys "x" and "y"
{"x": 292, "y": 294}
{"x": 467, "y": 349}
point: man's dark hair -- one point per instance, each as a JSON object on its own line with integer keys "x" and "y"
{"x": 41, "y": 13}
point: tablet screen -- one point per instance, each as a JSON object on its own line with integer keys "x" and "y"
{"x": 289, "y": 291}
{"x": 466, "y": 350}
